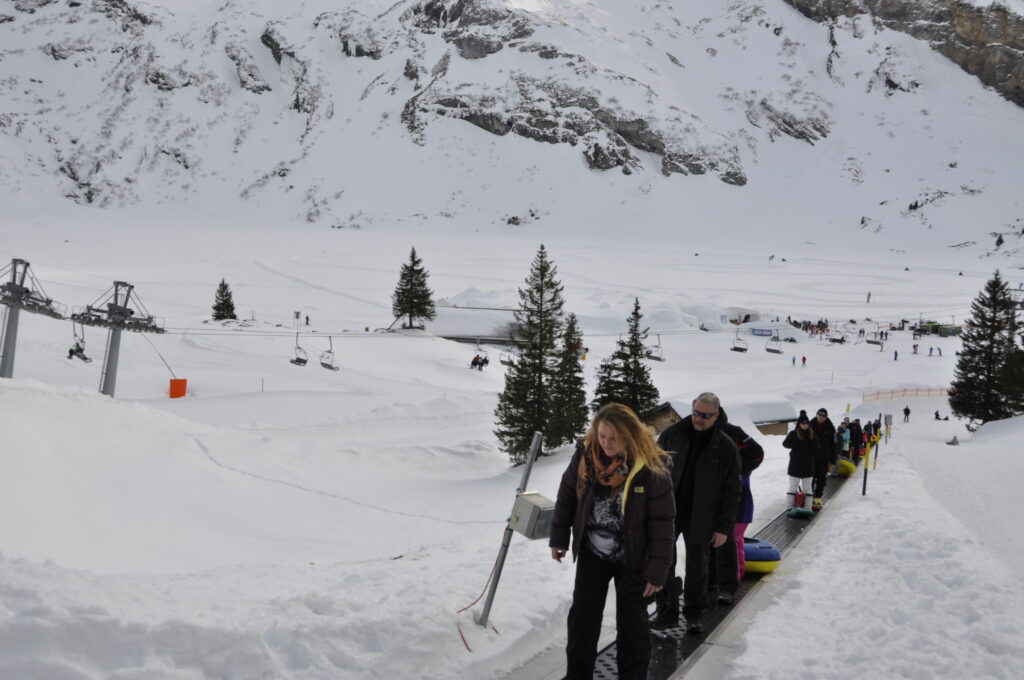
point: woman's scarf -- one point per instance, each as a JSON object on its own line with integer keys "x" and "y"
{"x": 596, "y": 466}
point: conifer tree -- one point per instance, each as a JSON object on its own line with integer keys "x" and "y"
{"x": 223, "y": 303}
{"x": 625, "y": 377}
{"x": 568, "y": 413}
{"x": 986, "y": 383}
{"x": 412, "y": 297}
{"x": 524, "y": 405}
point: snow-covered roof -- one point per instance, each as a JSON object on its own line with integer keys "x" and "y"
{"x": 769, "y": 411}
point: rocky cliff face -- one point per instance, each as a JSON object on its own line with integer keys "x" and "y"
{"x": 360, "y": 112}
{"x": 986, "y": 42}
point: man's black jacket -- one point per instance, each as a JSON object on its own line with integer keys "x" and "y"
{"x": 717, "y": 483}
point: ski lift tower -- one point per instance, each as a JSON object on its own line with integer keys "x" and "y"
{"x": 112, "y": 311}
{"x": 16, "y": 296}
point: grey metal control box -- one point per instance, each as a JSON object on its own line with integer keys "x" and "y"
{"x": 532, "y": 515}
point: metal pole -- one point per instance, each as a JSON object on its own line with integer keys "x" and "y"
{"x": 507, "y": 538}
{"x": 867, "y": 461}
{"x": 109, "y": 380}
{"x": 10, "y": 333}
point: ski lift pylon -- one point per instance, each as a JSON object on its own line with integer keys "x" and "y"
{"x": 301, "y": 356}
{"x": 327, "y": 358}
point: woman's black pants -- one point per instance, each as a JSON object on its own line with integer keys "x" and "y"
{"x": 633, "y": 641}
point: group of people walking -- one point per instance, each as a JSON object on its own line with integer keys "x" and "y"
{"x": 815, "y": 447}
{"x": 624, "y": 500}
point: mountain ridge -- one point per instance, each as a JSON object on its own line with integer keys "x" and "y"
{"x": 319, "y": 113}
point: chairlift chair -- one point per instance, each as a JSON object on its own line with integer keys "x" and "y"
{"x": 774, "y": 345}
{"x": 78, "y": 349}
{"x": 655, "y": 353}
{"x": 738, "y": 343}
{"x": 327, "y": 358}
{"x": 301, "y": 356}
{"x": 507, "y": 358}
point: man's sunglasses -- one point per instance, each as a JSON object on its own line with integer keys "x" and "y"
{"x": 705, "y": 416}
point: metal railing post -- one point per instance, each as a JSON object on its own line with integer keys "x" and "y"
{"x": 507, "y": 538}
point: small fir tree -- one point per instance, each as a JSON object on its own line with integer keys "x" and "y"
{"x": 625, "y": 377}
{"x": 568, "y": 417}
{"x": 412, "y": 297}
{"x": 525, "y": 403}
{"x": 986, "y": 384}
{"x": 223, "y": 303}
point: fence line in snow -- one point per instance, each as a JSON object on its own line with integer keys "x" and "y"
{"x": 891, "y": 395}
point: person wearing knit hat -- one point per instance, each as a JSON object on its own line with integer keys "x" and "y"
{"x": 802, "y": 446}
{"x": 825, "y": 455}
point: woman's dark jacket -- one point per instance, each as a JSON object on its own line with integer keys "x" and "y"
{"x": 717, "y": 483}
{"x": 801, "y": 454}
{"x": 648, "y": 519}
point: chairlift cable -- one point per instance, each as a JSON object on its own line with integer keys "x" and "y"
{"x": 146, "y": 338}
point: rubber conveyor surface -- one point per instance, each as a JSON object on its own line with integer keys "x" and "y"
{"x": 670, "y": 648}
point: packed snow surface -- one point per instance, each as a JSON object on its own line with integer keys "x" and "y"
{"x": 297, "y": 522}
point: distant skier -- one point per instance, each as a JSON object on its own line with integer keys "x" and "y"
{"x": 794, "y": 360}
{"x": 771, "y": 257}
{"x": 930, "y": 350}
{"x": 954, "y": 441}
{"x": 906, "y": 414}
{"x": 939, "y": 350}
{"x": 307, "y": 319}
{"x": 869, "y": 296}
{"x": 895, "y": 355}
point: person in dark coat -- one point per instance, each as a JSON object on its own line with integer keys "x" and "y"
{"x": 615, "y": 500}
{"x": 906, "y": 414}
{"x": 707, "y": 483}
{"x": 825, "y": 435}
{"x": 802, "y": 451}
{"x": 730, "y": 560}
{"x": 856, "y": 440}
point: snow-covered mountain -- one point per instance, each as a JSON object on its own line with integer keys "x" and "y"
{"x": 737, "y": 116}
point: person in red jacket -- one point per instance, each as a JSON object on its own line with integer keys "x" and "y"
{"x": 616, "y": 501}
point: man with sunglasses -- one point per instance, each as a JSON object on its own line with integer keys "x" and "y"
{"x": 707, "y": 482}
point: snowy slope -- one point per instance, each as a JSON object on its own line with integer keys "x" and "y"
{"x": 242, "y": 108}
{"x": 302, "y": 523}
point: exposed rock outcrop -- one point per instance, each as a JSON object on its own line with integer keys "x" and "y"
{"x": 987, "y": 42}
{"x": 549, "y": 111}
{"x": 248, "y": 75}
{"x": 30, "y": 6}
{"x": 478, "y": 28}
{"x": 275, "y": 42}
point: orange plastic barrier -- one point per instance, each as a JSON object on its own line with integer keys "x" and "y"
{"x": 179, "y": 387}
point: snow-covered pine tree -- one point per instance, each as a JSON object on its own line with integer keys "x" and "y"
{"x": 412, "y": 297}
{"x": 568, "y": 412}
{"x": 223, "y": 303}
{"x": 524, "y": 405}
{"x": 983, "y": 388}
{"x": 625, "y": 377}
